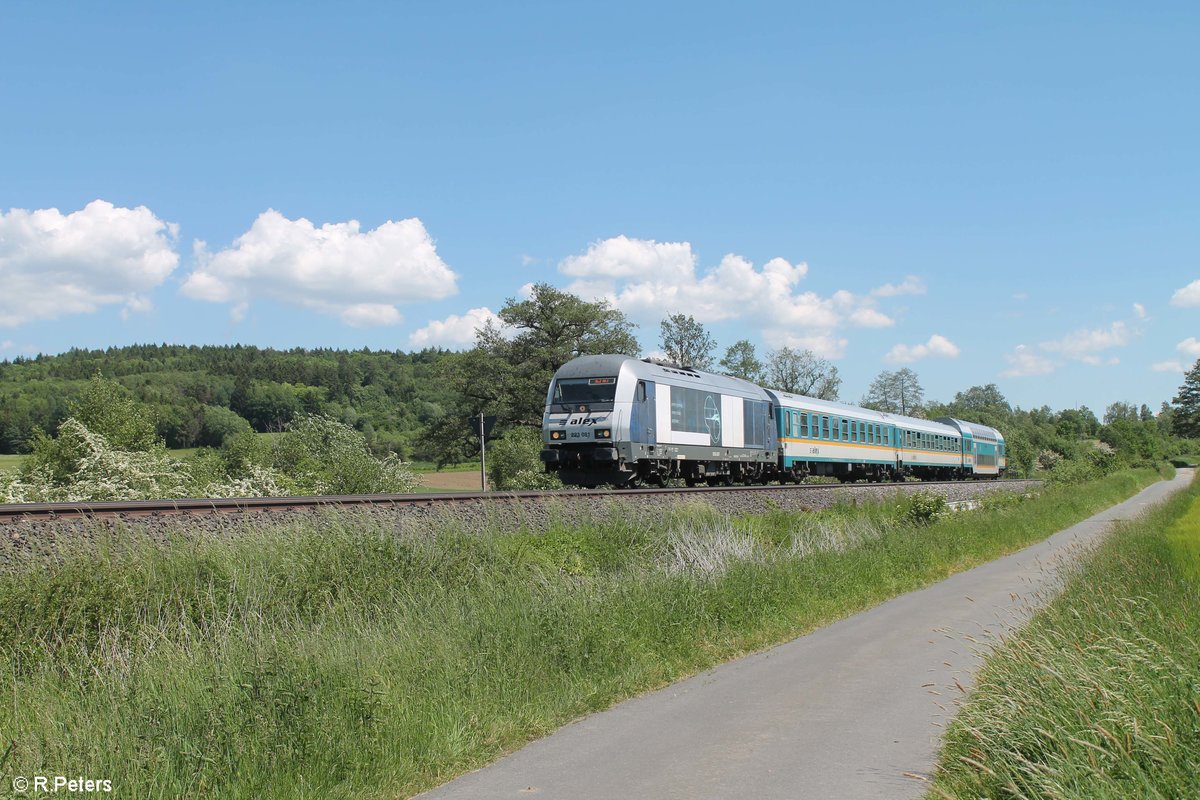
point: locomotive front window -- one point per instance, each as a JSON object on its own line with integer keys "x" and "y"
{"x": 584, "y": 391}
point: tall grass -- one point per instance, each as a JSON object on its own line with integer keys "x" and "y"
{"x": 1099, "y": 697}
{"x": 347, "y": 659}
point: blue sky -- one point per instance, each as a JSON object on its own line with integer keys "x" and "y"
{"x": 984, "y": 193}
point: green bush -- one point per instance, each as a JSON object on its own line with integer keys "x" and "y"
{"x": 922, "y": 508}
{"x": 220, "y": 423}
{"x": 514, "y": 463}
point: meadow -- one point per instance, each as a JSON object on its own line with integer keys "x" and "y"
{"x": 345, "y": 658}
{"x": 1098, "y": 698}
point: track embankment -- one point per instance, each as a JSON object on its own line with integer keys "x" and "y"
{"x": 30, "y": 529}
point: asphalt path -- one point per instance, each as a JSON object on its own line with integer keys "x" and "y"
{"x": 853, "y": 710}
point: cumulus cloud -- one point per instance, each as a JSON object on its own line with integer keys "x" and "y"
{"x": 1168, "y": 366}
{"x": 647, "y": 280}
{"x": 453, "y": 331}
{"x": 825, "y": 345}
{"x": 911, "y": 285}
{"x": 1083, "y": 343}
{"x": 1189, "y": 347}
{"x": 1188, "y": 296}
{"x": 1139, "y": 310}
{"x": 1023, "y": 362}
{"x": 54, "y": 264}
{"x": 871, "y": 318}
{"x": 622, "y": 257}
{"x": 335, "y": 269}
{"x": 938, "y": 346}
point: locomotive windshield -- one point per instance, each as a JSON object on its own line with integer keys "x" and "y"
{"x": 584, "y": 391}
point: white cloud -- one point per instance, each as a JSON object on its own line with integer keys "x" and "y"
{"x": 648, "y": 280}
{"x": 870, "y": 318}
{"x": 335, "y": 269}
{"x": 663, "y": 280}
{"x": 53, "y": 264}
{"x": 367, "y": 315}
{"x": 825, "y": 345}
{"x": 1188, "y": 296}
{"x": 1083, "y": 343}
{"x": 1189, "y": 347}
{"x": 938, "y": 346}
{"x": 1023, "y": 362}
{"x": 911, "y": 285}
{"x": 1168, "y": 366}
{"x": 622, "y": 257}
{"x": 454, "y": 331}
{"x": 1139, "y": 310}
{"x": 1020, "y": 296}
{"x": 8, "y": 344}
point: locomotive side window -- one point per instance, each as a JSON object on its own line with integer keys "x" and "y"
{"x": 640, "y": 394}
{"x": 825, "y": 427}
{"x": 804, "y": 425}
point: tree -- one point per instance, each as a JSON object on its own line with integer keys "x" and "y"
{"x": 982, "y": 400}
{"x": 1120, "y": 411}
{"x": 507, "y": 372}
{"x": 741, "y": 361}
{"x": 1077, "y": 423}
{"x": 686, "y": 342}
{"x": 1165, "y": 420}
{"x": 107, "y": 408}
{"x": 509, "y": 369}
{"x": 802, "y": 372}
{"x": 1185, "y": 421}
{"x": 896, "y": 392}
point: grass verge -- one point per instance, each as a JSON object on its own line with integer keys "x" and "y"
{"x": 1099, "y": 696}
{"x": 345, "y": 659}
{"x": 10, "y": 463}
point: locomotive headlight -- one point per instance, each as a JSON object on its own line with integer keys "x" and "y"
{"x": 603, "y": 433}
{"x": 556, "y": 434}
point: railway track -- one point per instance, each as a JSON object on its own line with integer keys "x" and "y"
{"x": 233, "y": 505}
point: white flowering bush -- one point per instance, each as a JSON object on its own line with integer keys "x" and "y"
{"x": 315, "y": 455}
{"x": 80, "y": 465}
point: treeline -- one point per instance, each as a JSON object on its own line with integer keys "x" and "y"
{"x": 201, "y": 395}
{"x": 506, "y": 374}
{"x": 416, "y": 405}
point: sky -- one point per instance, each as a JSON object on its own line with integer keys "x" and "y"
{"x": 983, "y": 193}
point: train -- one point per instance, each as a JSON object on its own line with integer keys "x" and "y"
{"x": 615, "y": 420}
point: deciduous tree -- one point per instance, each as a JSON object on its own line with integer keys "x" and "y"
{"x": 896, "y": 392}
{"x": 802, "y": 372}
{"x": 686, "y": 342}
{"x": 507, "y": 372}
{"x": 741, "y": 361}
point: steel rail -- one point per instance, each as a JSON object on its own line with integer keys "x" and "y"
{"x": 27, "y": 511}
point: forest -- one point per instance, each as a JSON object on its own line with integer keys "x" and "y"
{"x": 200, "y": 395}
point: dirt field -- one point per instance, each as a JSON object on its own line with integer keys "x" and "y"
{"x": 451, "y": 481}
